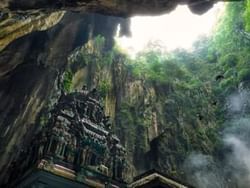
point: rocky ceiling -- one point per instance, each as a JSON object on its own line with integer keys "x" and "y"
{"x": 35, "y": 42}
{"x": 111, "y": 7}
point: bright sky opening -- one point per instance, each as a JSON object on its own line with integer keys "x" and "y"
{"x": 178, "y": 29}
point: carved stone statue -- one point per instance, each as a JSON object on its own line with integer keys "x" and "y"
{"x": 78, "y": 135}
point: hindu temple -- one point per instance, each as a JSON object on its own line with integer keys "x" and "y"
{"x": 76, "y": 145}
{"x": 77, "y": 148}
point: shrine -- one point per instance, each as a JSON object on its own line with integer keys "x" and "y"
{"x": 156, "y": 179}
{"x": 75, "y": 149}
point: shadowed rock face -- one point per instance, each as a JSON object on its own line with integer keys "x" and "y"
{"x": 29, "y": 69}
{"x": 112, "y": 7}
{"x": 15, "y": 25}
{"x": 31, "y": 65}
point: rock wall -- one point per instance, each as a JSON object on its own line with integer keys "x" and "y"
{"x": 29, "y": 73}
{"x": 159, "y": 124}
{"x": 111, "y": 7}
{"x": 16, "y": 25}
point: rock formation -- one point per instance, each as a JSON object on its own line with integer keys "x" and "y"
{"x": 30, "y": 69}
{"x": 15, "y": 25}
{"x": 77, "y": 137}
{"x": 111, "y": 7}
{"x": 36, "y": 43}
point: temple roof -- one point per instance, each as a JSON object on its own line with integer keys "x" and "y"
{"x": 156, "y": 179}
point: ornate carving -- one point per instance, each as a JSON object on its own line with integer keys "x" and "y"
{"x": 78, "y": 136}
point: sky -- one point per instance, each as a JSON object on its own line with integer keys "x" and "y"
{"x": 178, "y": 29}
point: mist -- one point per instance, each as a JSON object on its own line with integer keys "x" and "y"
{"x": 205, "y": 171}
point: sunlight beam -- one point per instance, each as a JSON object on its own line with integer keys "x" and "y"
{"x": 178, "y": 29}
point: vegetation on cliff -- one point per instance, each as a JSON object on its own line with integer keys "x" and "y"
{"x": 177, "y": 99}
{"x": 164, "y": 106}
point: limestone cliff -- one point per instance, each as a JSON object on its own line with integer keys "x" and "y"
{"x": 158, "y": 123}
{"x": 150, "y": 118}
{"x": 45, "y": 51}
{"x": 16, "y": 25}
{"x": 30, "y": 69}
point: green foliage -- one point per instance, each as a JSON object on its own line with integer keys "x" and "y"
{"x": 188, "y": 99}
{"x": 104, "y": 87}
{"x": 244, "y": 75}
{"x": 228, "y": 83}
{"x": 98, "y": 43}
{"x": 67, "y": 81}
{"x": 230, "y": 44}
{"x": 187, "y": 88}
{"x": 76, "y": 62}
{"x": 43, "y": 120}
{"x": 88, "y": 53}
{"x": 157, "y": 67}
{"x": 227, "y": 39}
{"x": 229, "y": 60}
{"x": 247, "y": 16}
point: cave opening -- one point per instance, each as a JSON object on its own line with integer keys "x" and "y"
{"x": 177, "y": 29}
{"x": 150, "y": 94}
